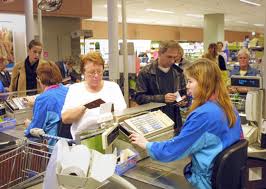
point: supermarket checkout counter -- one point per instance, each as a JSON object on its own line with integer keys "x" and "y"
{"x": 147, "y": 173}
{"x": 13, "y": 111}
{"x": 10, "y": 139}
{"x": 150, "y": 174}
{"x": 251, "y": 108}
{"x": 154, "y": 125}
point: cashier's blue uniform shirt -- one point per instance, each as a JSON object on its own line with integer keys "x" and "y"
{"x": 204, "y": 134}
{"x": 2, "y": 88}
{"x": 47, "y": 110}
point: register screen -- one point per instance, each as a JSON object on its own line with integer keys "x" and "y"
{"x": 245, "y": 82}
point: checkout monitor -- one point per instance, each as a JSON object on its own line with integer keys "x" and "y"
{"x": 246, "y": 81}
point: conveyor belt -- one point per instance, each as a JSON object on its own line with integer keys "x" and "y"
{"x": 6, "y": 141}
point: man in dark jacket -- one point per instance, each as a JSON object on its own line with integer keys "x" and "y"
{"x": 68, "y": 72}
{"x": 159, "y": 82}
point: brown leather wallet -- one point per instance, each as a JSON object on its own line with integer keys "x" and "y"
{"x": 94, "y": 104}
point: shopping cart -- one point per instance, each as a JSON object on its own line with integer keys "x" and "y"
{"x": 238, "y": 101}
{"x": 24, "y": 166}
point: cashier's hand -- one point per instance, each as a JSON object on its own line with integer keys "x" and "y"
{"x": 29, "y": 101}
{"x": 27, "y": 122}
{"x": 170, "y": 97}
{"x": 138, "y": 140}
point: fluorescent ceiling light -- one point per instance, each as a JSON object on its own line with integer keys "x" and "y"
{"x": 118, "y": 5}
{"x": 195, "y": 15}
{"x": 250, "y": 2}
{"x": 160, "y": 11}
{"x": 242, "y": 22}
{"x": 259, "y": 25}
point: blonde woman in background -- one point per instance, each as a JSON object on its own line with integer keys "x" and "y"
{"x": 213, "y": 55}
{"x": 180, "y": 60}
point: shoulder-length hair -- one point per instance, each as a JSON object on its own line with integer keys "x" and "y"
{"x": 210, "y": 86}
{"x": 49, "y": 73}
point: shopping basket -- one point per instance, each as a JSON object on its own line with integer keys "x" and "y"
{"x": 24, "y": 165}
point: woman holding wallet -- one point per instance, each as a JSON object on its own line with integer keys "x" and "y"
{"x": 81, "y": 94}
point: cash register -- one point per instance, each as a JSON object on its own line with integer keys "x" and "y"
{"x": 17, "y": 108}
{"x": 147, "y": 120}
{"x": 253, "y": 105}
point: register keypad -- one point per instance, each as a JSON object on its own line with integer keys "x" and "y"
{"x": 146, "y": 123}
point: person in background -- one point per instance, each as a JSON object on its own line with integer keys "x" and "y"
{"x": 143, "y": 57}
{"x": 211, "y": 126}
{"x": 68, "y": 72}
{"x": 244, "y": 69}
{"x": 213, "y": 55}
{"x": 71, "y": 72}
{"x": 246, "y": 42}
{"x": 4, "y": 74}
{"x": 220, "y": 51}
{"x": 94, "y": 87}
{"x": 24, "y": 73}
{"x": 161, "y": 80}
{"x": 48, "y": 105}
{"x": 62, "y": 67}
{"x": 180, "y": 60}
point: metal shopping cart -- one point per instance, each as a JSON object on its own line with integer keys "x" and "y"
{"x": 238, "y": 101}
{"x": 25, "y": 165}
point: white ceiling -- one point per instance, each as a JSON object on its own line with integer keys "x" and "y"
{"x": 238, "y": 16}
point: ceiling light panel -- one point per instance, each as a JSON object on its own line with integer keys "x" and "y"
{"x": 250, "y": 3}
{"x": 159, "y": 11}
{"x": 195, "y": 15}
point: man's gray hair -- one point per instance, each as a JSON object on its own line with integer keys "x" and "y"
{"x": 243, "y": 51}
{"x": 169, "y": 44}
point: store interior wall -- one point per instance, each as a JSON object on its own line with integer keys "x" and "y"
{"x": 156, "y": 32}
{"x": 56, "y": 30}
{"x": 58, "y": 42}
{"x": 57, "y": 37}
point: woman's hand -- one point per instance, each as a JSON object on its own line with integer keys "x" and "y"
{"x": 138, "y": 140}
{"x": 29, "y": 101}
{"x": 27, "y": 122}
